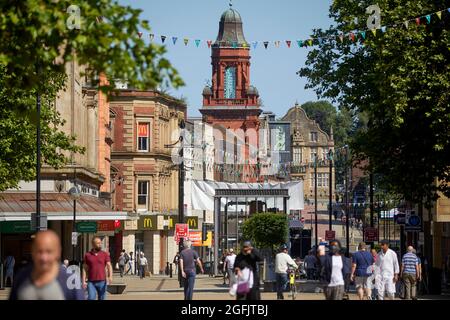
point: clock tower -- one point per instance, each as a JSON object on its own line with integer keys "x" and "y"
{"x": 231, "y": 104}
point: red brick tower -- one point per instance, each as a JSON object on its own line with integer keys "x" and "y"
{"x": 231, "y": 103}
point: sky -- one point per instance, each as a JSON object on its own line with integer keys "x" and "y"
{"x": 273, "y": 71}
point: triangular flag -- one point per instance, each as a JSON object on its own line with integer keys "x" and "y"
{"x": 209, "y": 42}
{"x": 152, "y": 36}
{"x": 310, "y": 42}
{"x": 266, "y": 43}
{"x": 428, "y": 18}
{"x": 363, "y": 35}
{"x": 186, "y": 41}
{"x": 352, "y": 36}
{"x": 288, "y": 43}
{"x": 341, "y": 37}
{"x": 277, "y": 44}
{"x": 234, "y": 44}
{"x": 320, "y": 40}
{"x": 300, "y": 43}
{"x": 383, "y": 29}
{"x": 140, "y": 34}
{"x": 448, "y": 10}
{"x": 174, "y": 40}
{"x": 406, "y": 23}
{"x": 439, "y": 14}
{"x": 417, "y": 21}
{"x": 197, "y": 42}
{"x": 163, "y": 38}
{"x": 255, "y": 44}
{"x": 374, "y": 31}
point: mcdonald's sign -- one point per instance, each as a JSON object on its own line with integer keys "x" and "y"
{"x": 172, "y": 221}
{"x": 192, "y": 222}
{"x": 148, "y": 223}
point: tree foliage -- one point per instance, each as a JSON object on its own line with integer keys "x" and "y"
{"x": 18, "y": 133}
{"x": 266, "y": 230}
{"x": 400, "y": 80}
{"x": 36, "y": 32}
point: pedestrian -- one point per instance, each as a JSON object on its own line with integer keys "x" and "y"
{"x": 410, "y": 273}
{"x": 65, "y": 263}
{"x": 188, "y": 258}
{"x": 334, "y": 268}
{"x": 130, "y": 263}
{"x": 347, "y": 274}
{"x": 222, "y": 266}
{"x": 45, "y": 279}
{"x": 372, "y": 280}
{"x": 143, "y": 263}
{"x": 362, "y": 260}
{"x": 229, "y": 266}
{"x": 311, "y": 265}
{"x": 419, "y": 278}
{"x": 388, "y": 269}
{"x": 97, "y": 271}
{"x": 9, "y": 268}
{"x": 283, "y": 262}
{"x": 122, "y": 261}
{"x": 248, "y": 259}
{"x": 176, "y": 261}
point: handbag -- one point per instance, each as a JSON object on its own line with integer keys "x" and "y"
{"x": 244, "y": 287}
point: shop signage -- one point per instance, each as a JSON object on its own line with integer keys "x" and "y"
{"x": 330, "y": 235}
{"x": 371, "y": 234}
{"x": 15, "y": 227}
{"x": 196, "y": 238}
{"x": 181, "y": 231}
{"x": 192, "y": 222}
{"x": 148, "y": 223}
{"x": 87, "y": 227}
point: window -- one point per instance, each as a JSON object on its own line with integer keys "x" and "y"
{"x": 324, "y": 153}
{"x": 297, "y": 157}
{"x": 230, "y": 83}
{"x": 313, "y": 136}
{"x": 143, "y": 193}
{"x": 143, "y": 136}
{"x": 313, "y": 154}
{"x": 322, "y": 180}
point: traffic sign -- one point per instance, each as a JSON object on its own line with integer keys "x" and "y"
{"x": 370, "y": 234}
{"x": 400, "y": 218}
{"x": 330, "y": 235}
{"x": 413, "y": 222}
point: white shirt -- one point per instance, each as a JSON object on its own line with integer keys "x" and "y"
{"x": 229, "y": 260}
{"x": 143, "y": 261}
{"x": 388, "y": 263}
{"x": 336, "y": 272}
{"x": 282, "y": 261}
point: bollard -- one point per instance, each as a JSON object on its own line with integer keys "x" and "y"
{"x": 167, "y": 269}
{"x": 171, "y": 270}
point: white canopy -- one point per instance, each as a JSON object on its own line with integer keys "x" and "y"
{"x": 203, "y": 193}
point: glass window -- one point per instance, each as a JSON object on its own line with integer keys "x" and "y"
{"x": 143, "y": 136}
{"x": 313, "y": 136}
{"x": 143, "y": 192}
{"x": 230, "y": 83}
{"x": 313, "y": 154}
{"x": 297, "y": 158}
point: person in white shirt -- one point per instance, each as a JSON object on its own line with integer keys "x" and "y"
{"x": 142, "y": 265}
{"x": 229, "y": 266}
{"x": 282, "y": 262}
{"x": 388, "y": 270}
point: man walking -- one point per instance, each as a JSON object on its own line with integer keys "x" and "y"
{"x": 130, "y": 263}
{"x": 9, "y": 268}
{"x": 282, "y": 262}
{"x": 46, "y": 278}
{"x": 311, "y": 265}
{"x": 334, "y": 269}
{"x": 410, "y": 273}
{"x": 122, "y": 262}
{"x": 229, "y": 265}
{"x": 143, "y": 263}
{"x": 188, "y": 258}
{"x": 362, "y": 260}
{"x": 97, "y": 271}
{"x": 388, "y": 267}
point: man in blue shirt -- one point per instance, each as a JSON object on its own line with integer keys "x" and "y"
{"x": 410, "y": 273}
{"x": 362, "y": 261}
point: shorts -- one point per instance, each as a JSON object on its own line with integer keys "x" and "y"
{"x": 361, "y": 282}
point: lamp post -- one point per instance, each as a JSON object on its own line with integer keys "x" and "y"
{"x": 74, "y": 194}
{"x": 316, "y": 231}
{"x": 347, "y": 220}
{"x": 330, "y": 201}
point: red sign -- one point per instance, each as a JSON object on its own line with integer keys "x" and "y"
{"x": 196, "y": 238}
{"x": 108, "y": 225}
{"x": 181, "y": 231}
{"x": 330, "y": 235}
{"x": 370, "y": 234}
{"x": 143, "y": 130}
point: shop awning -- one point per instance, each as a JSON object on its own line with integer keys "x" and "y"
{"x": 18, "y": 206}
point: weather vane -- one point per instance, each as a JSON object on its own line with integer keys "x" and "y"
{"x": 231, "y": 3}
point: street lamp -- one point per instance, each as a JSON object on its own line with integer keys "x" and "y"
{"x": 74, "y": 194}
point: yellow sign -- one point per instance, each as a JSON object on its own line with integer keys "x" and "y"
{"x": 208, "y": 241}
{"x": 148, "y": 223}
{"x": 192, "y": 222}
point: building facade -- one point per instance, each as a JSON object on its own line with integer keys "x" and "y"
{"x": 145, "y": 179}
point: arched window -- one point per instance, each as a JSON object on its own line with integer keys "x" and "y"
{"x": 230, "y": 83}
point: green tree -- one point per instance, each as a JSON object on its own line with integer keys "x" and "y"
{"x": 400, "y": 80}
{"x": 39, "y": 32}
{"x": 18, "y": 134}
{"x": 266, "y": 230}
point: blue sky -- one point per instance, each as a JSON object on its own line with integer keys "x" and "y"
{"x": 273, "y": 71}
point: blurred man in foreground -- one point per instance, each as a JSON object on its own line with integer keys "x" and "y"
{"x": 46, "y": 279}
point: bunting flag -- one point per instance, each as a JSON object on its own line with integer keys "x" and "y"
{"x": 197, "y": 42}
{"x": 363, "y": 35}
{"x": 417, "y": 21}
{"x": 174, "y": 40}
{"x": 383, "y": 29}
{"x": 406, "y": 24}
{"x": 352, "y": 36}
{"x": 310, "y": 42}
{"x": 266, "y": 44}
{"x": 140, "y": 34}
{"x": 152, "y": 36}
{"x": 341, "y": 37}
{"x": 255, "y": 44}
{"x": 428, "y": 18}
{"x": 374, "y": 31}
{"x": 300, "y": 43}
{"x": 277, "y": 44}
{"x": 439, "y": 14}
{"x": 186, "y": 41}
{"x": 163, "y": 38}
{"x": 209, "y": 42}
{"x": 288, "y": 43}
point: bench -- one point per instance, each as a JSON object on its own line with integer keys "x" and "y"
{"x": 116, "y": 288}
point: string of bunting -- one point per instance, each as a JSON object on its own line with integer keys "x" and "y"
{"x": 353, "y": 36}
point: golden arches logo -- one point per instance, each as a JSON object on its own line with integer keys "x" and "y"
{"x": 148, "y": 223}
{"x": 192, "y": 222}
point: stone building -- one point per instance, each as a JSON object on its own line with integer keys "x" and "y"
{"x": 145, "y": 178}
